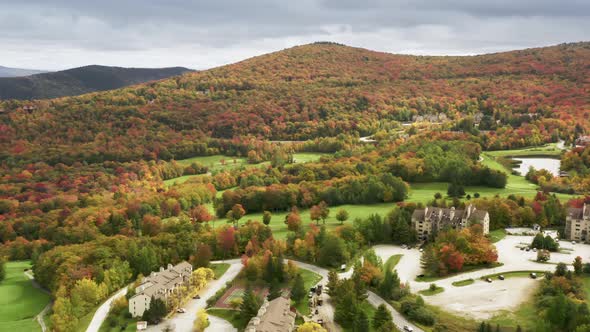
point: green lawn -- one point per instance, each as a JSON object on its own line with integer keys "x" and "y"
{"x": 547, "y": 150}
{"x": 515, "y": 274}
{"x": 19, "y": 300}
{"x": 466, "y": 268}
{"x": 232, "y": 316}
{"x": 392, "y": 262}
{"x": 219, "y": 269}
{"x": 309, "y": 279}
{"x": 430, "y": 292}
{"x": 222, "y": 163}
{"x": 279, "y": 229}
{"x": 462, "y": 283}
{"x": 525, "y": 315}
{"x": 497, "y": 235}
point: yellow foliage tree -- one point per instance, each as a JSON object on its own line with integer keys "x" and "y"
{"x": 201, "y": 322}
{"x": 311, "y": 327}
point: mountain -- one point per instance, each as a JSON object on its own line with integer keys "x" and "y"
{"x": 15, "y": 72}
{"x": 81, "y": 80}
{"x": 306, "y": 92}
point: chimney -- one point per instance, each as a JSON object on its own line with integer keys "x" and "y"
{"x": 452, "y": 214}
{"x": 161, "y": 269}
{"x": 169, "y": 266}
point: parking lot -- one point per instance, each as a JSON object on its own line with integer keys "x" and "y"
{"x": 481, "y": 300}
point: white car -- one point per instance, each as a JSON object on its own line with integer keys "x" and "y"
{"x": 408, "y": 328}
{"x": 180, "y": 310}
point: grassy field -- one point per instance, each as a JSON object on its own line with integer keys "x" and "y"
{"x": 279, "y": 229}
{"x": 222, "y": 163}
{"x": 232, "y": 316}
{"x": 19, "y": 300}
{"x": 219, "y": 269}
{"x": 525, "y": 315}
{"x": 392, "y": 262}
{"x": 547, "y": 150}
{"x": 497, "y": 235}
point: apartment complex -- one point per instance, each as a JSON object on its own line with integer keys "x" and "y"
{"x": 430, "y": 219}
{"x": 159, "y": 285}
{"x": 577, "y": 224}
{"x": 273, "y": 316}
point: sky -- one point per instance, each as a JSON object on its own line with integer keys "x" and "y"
{"x": 61, "y": 34}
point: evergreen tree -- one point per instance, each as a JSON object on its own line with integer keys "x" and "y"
{"x": 497, "y": 327}
{"x": 482, "y": 327}
{"x": 518, "y": 328}
{"x": 250, "y": 304}
{"x": 298, "y": 290}
{"x": 382, "y": 316}
{"x": 361, "y": 323}
{"x": 156, "y": 311}
{"x": 389, "y": 284}
{"x": 274, "y": 290}
{"x": 269, "y": 271}
{"x": 279, "y": 268}
{"x": 332, "y": 282}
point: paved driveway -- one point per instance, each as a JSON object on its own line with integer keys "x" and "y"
{"x": 481, "y": 300}
{"x": 101, "y": 313}
{"x": 184, "y": 322}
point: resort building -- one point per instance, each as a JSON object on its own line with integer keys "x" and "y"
{"x": 577, "y": 224}
{"x": 273, "y": 316}
{"x": 425, "y": 221}
{"x": 159, "y": 285}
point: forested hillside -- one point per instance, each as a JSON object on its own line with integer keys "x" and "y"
{"x": 78, "y": 81}
{"x": 526, "y": 98}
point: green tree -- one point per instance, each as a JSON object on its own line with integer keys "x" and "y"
{"x": 274, "y": 290}
{"x": 298, "y": 289}
{"x": 333, "y": 282}
{"x": 266, "y": 217}
{"x": 389, "y": 285}
{"x": 250, "y": 304}
{"x": 382, "y": 316}
{"x": 342, "y": 216}
{"x": 156, "y": 311}
{"x": 578, "y": 265}
{"x": 333, "y": 252}
{"x": 361, "y": 323}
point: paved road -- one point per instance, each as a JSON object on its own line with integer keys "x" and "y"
{"x": 101, "y": 313}
{"x": 328, "y": 310}
{"x": 184, "y": 322}
{"x": 398, "y": 320}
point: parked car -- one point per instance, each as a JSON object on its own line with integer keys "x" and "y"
{"x": 522, "y": 248}
{"x": 528, "y": 249}
{"x": 343, "y": 267}
{"x": 533, "y": 275}
{"x": 501, "y": 277}
{"x": 421, "y": 249}
{"x": 180, "y": 310}
{"x": 196, "y": 297}
{"x": 408, "y": 328}
{"x": 488, "y": 279}
{"x": 312, "y": 289}
{"x": 310, "y": 295}
{"x": 573, "y": 242}
{"x": 404, "y": 246}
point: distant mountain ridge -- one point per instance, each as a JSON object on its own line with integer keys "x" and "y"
{"x": 16, "y": 72}
{"x": 80, "y": 80}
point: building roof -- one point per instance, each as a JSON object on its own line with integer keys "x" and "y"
{"x": 278, "y": 316}
{"x": 158, "y": 283}
{"x": 579, "y": 213}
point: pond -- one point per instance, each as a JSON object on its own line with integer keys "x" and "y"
{"x": 550, "y": 164}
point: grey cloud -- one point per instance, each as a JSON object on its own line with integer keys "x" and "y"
{"x": 201, "y": 34}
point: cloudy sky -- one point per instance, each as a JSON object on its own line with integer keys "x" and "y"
{"x": 200, "y": 34}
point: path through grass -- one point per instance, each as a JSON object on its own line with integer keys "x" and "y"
{"x": 20, "y": 301}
